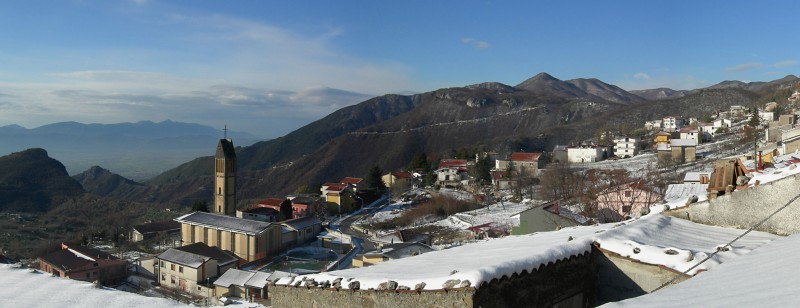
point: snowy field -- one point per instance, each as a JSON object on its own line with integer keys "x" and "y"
{"x": 24, "y": 287}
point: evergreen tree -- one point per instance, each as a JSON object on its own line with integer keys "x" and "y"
{"x": 373, "y": 181}
{"x": 286, "y": 209}
{"x": 482, "y": 169}
{"x": 200, "y": 206}
{"x": 420, "y": 161}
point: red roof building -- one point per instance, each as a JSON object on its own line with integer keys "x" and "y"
{"x": 351, "y": 181}
{"x": 524, "y": 156}
{"x": 84, "y": 263}
{"x": 453, "y": 163}
{"x": 272, "y": 203}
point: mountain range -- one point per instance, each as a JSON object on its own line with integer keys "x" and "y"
{"x": 136, "y": 150}
{"x": 389, "y": 130}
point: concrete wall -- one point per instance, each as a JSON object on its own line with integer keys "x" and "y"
{"x": 622, "y": 278}
{"x": 745, "y": 208}
{"x": 566, "y": 283}
{"x": 538, "y": 220}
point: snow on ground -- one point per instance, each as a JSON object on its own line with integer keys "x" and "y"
{"x": 456, "y": 194}
{"x": 499, "y": 213}
{"x": 389, "y": 212}
{"x": 679, "y": 244}
{"x": 22, "y": 288}
{"x": 478, "y": 262}
{"x": 661, "y": 240}
{"x": 766, "y": 277}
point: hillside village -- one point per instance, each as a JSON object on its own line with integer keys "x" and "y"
{"x": 595, "y": 221}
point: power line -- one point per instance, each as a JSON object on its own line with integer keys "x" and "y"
{"x": 686, "y": 272}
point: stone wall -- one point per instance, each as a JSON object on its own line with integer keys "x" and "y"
{"x": 745, "y": 208}
{"x": 566, "y": 283}
{"x": 283, "y": 296}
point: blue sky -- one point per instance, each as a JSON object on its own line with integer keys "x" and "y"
{"x": 268, "y": 67}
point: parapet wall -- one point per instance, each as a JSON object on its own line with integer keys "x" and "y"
{"x": 745, "y": 208}
{"x": 286, "y": 296}
{"x": 565, "y": 283}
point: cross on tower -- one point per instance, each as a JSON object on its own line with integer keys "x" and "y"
{"x": 225, "y": 134}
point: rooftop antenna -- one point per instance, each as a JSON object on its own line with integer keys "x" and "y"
{"x": 225, "y": 130}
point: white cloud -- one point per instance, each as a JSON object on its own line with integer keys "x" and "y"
{"x": 742, "y": 67}
{"x": 786, "y": 63}
{"x": 221, "y": 69}
{"x": 641, "y": 76}
{"x": 475, "y": 43}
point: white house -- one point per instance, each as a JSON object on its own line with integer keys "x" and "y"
{"x": 584, "y": 154}
{"x": 652, "y": 125}
{"x": 721, "y": 123}
{"x": 690, "y": 134}
{"x": 707, "y": 131}
{"x": 626, "y": 147}
{"x": 672, "y": 123}
{"x": 766, "y": 116}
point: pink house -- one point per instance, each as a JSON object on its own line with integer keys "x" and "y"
{"x": 625, "y": 201}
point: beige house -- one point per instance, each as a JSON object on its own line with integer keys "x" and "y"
{"x": 625, "y": 201}
{"x": 246, "y": 284}
{"x": 398, "y": 178}
{"x": 683, "y": 150}
{"x": 250, "y": 240}
{"x": 527, "y": 163}
{"x": 300, "y": 230}
{"x": 390, "y": 252}
{"x": 190, "y": 268}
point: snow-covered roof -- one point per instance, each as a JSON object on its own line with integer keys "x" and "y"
{"x": 184, "y": 258}
{"x": 694, "y": 176}
{"x": 234, "y": 277}
{"x": 772, "y": 174}
{"x": 194, "y": 255}
{"x": 681, "y": 191}
{"x": 301, "y": 223}
{"x": 678, "y": 244}
{"x": 242, "y": 278}
{"x": 21, "y": 288}
{"x": 224, "y": 222}
{"x": 683, "y": 142}
{"x": 479, "y": 262}
{"x": 766, "y": 277}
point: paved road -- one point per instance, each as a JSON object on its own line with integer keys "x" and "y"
{"x": 361, "y": 240}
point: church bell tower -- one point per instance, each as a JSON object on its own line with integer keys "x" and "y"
{"x": 225, "y": 178}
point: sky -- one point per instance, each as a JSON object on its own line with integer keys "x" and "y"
{"x": 269, "y": 67}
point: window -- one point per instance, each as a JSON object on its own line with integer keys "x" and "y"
{"x": 172, "y": 267}
{"x": 180, "y": 269}
{"x": 163, "y": 277}
{"x": 627, "y": 193}
{"x": 626, "y": 208}
{"x": 162, "y": 264}
{"x": 87, "y": 275}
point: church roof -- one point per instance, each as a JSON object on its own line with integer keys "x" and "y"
{"x": 223, "y": 222}
{"x": 225, "y": 149}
